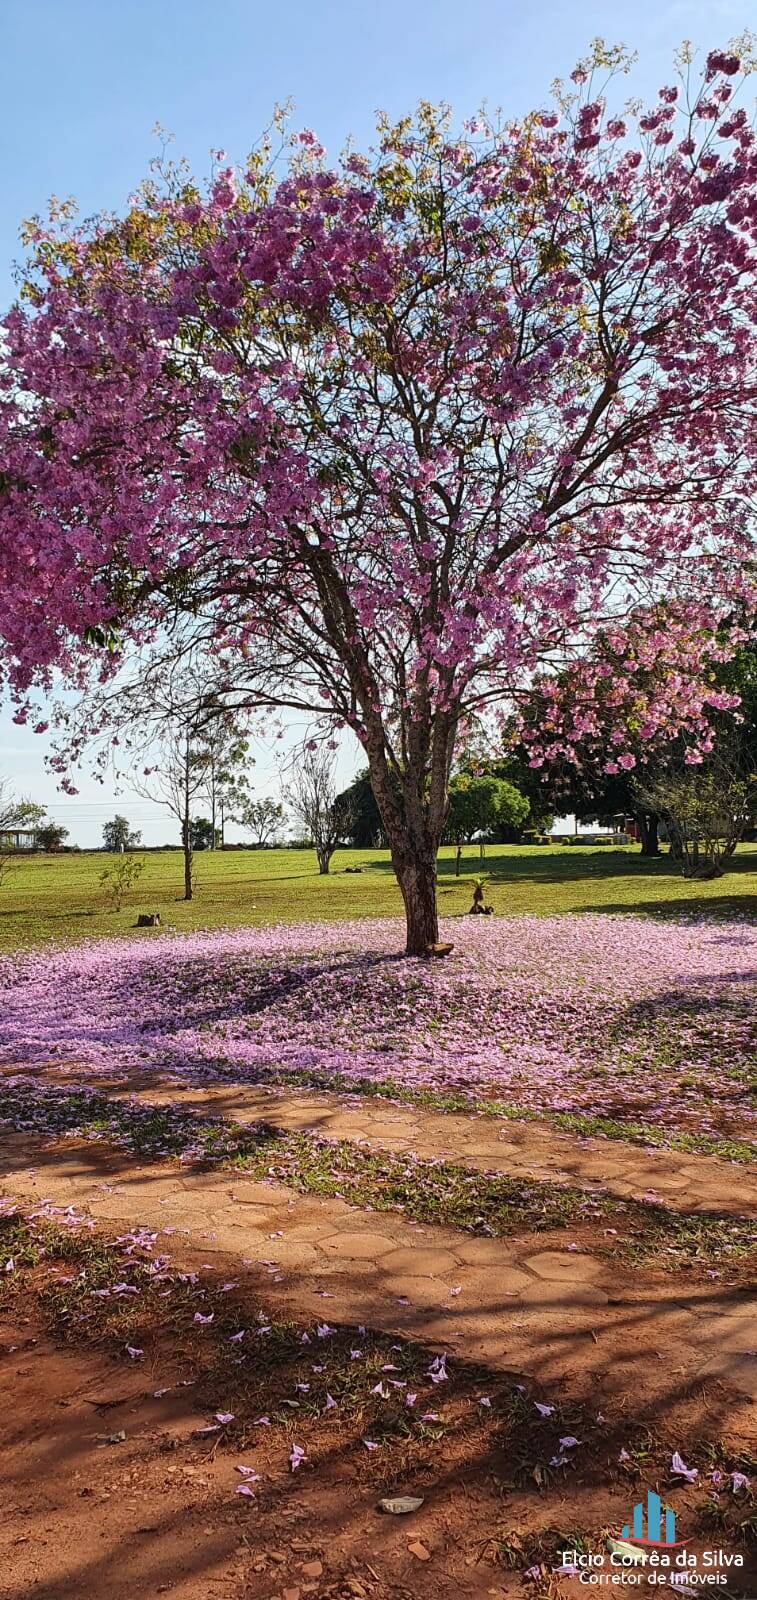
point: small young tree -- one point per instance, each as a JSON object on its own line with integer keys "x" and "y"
{"x": 312, "y": 798}
{"x": 119, "y": 837}
{"x": 477, "y": 805}
{"x": 261, "y": 818}
{"x": 119, "y": 878}
{"x": 174, "y": 780}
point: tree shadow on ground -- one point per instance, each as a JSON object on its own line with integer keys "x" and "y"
{"x": 630, "y": 1357}
{"x": 568, "y": 866}
{"x": 713, "y": 908}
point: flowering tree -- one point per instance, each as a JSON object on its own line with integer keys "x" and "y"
{"x": 383, "y": 442}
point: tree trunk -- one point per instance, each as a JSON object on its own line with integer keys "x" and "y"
{"x": 186, "y": 821}
{"x": 458, "y": 853}
{"x": 188, "y": 853}
{"x": 417, "y": 880}
{"x": 676, "y": 841}
{"x": 413, "y": 821}
{"x": 323, "y": 862}
{"x": 650, "y": 844}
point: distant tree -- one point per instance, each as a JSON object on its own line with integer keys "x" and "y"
{"x": 119, "y": 878}
{"x": 605, "y": 782}
{"x": 363, "y": 826}
{"x": 174, "y": 780}
{"x": 513, "y": 768}
{"x": 202, "y": 833}
{"x": 222, "y": 751}
{"x": 50, "y": 836}
{"x": 477, "y": 805}
{"x": 118, "y": 836}
{"x": 588, "y": 792}
{"x": 260, "y": 818}
{"x": 14, "y": 813}
{"x": 312, "y": 798}
{"x": 706, "y": 807}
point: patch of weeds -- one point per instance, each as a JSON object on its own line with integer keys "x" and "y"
{"x": 729, "y": 1518}
{"x": 540, "y": 1547}
{"x": 436, "y": 1192}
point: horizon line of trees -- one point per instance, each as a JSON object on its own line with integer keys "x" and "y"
{"x": 701, "y": 809}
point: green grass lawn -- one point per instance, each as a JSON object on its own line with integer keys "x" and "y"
{"x": 57, "y": 897}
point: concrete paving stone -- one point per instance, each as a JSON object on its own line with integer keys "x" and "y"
{"x": 330, "y": 1267}
{"x": 368, "y": 1246}
{"x": 486, "y": 1252}
{"x": 424, "y": 1262}
{"x": 421, "y": 1292}
{"x": 478, "y": 1284}
{"x": 256, "y": 1194}
{"x": 562, "y": 1294}
{"x": 565, "y": 1266}
{"x": 733, "y": 1368}
{"x": 314, "y": 1231}
{"x": 736, "y": 1330}
{"x": 289, "y": 1252}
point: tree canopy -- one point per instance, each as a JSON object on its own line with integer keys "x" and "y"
{"x": 479, "y": 805}
{"x": 118, "y": 835}
{"x": 387, "y": 440}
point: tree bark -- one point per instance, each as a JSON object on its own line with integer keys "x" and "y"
{"x": 186, "y": 821}
{"x": 413, "y": 807}
{"x": 417, "y": 880}
{"x": 188, "y": 854}
{"x": 676, "y": 841}
{"x": 650, "y": 844}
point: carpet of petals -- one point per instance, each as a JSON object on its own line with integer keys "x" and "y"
{"x": 618, "y": 1016}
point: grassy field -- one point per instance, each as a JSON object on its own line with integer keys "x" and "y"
{"x": 59, "y": 898}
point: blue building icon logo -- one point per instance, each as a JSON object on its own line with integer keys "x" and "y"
{"x": 655, "y": 1520}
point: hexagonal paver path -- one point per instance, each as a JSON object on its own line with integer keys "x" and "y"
{"x": 533, "y": 1149}
{"x": 566, "y": 1317}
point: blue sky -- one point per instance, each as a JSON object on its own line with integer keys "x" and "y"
{"x": 82, "y": 83}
